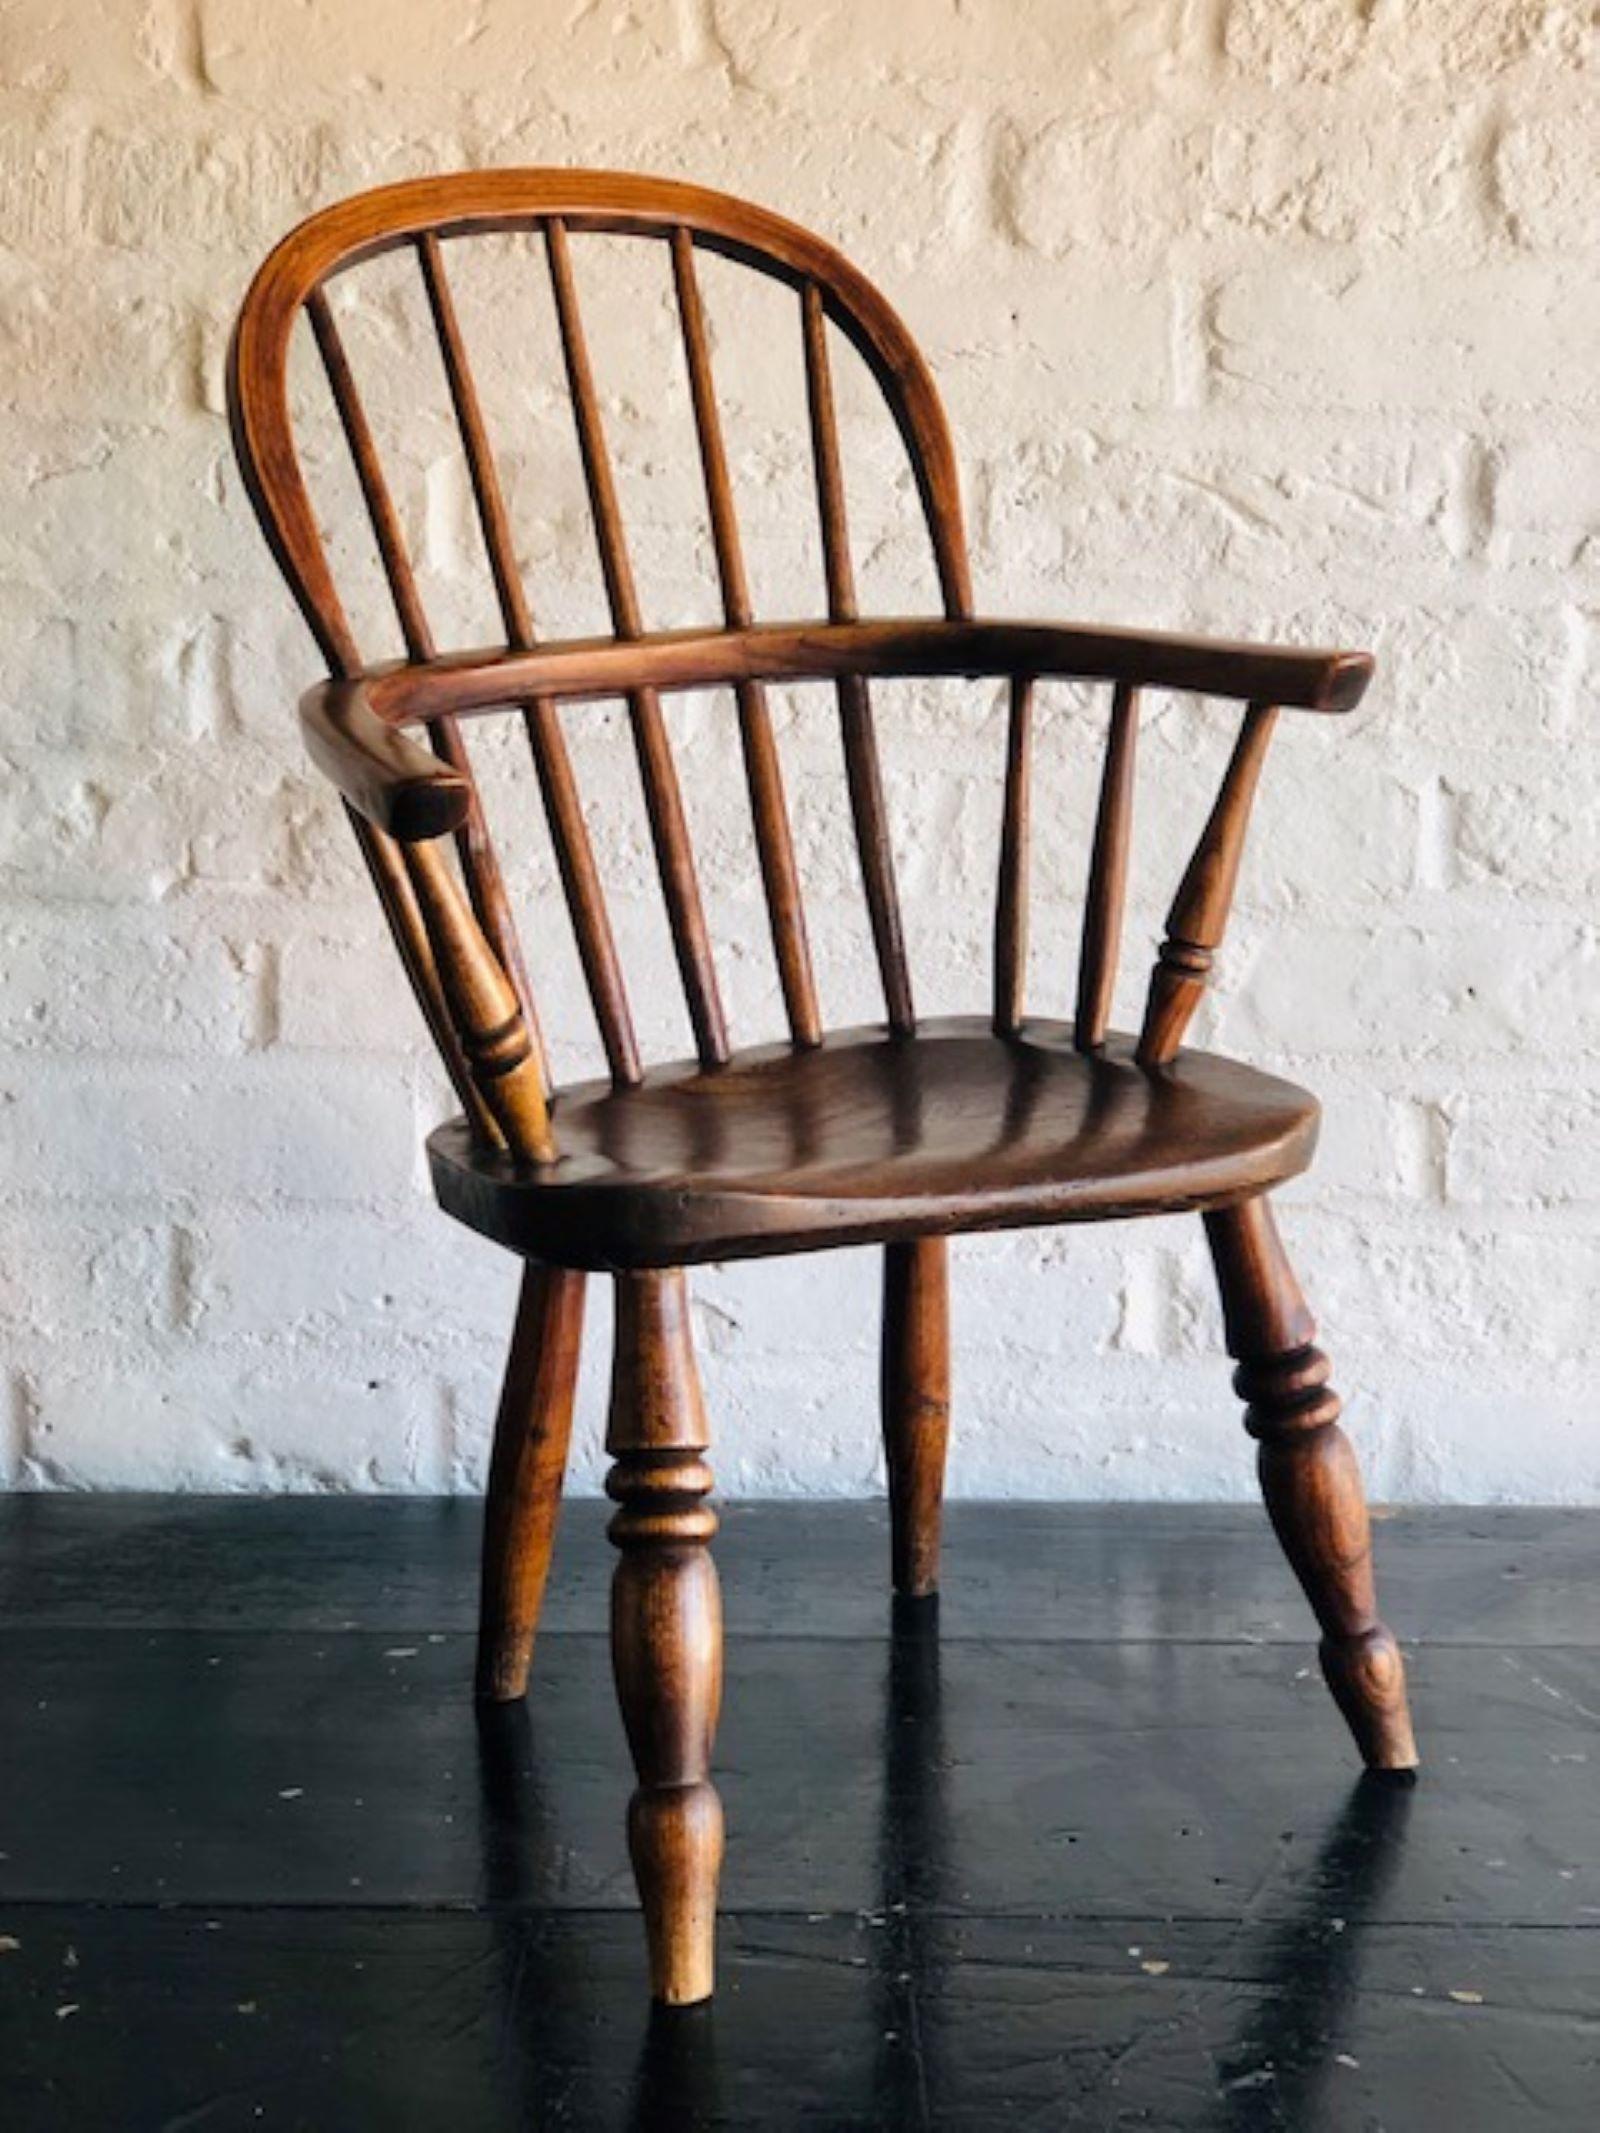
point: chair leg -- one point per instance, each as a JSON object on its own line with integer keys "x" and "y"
{"x": 526, "y": 1470}
{"x": 1309, "y": 1477}
{"x": 915, "y": 1399}
{"x": 666, "y": 1629}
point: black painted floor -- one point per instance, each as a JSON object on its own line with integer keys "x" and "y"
{"x": 1088, "y": 1851}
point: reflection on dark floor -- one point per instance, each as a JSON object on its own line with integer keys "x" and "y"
{"x": 1079, "y": 1846}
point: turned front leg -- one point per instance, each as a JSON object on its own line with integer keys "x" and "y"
{"x": 666, "y": 1629}
{"x": 1309, "y": 1477}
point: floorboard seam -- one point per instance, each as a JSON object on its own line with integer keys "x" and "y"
{"x": 878, "y": 1640}
{"x": 1129, "y": 1921}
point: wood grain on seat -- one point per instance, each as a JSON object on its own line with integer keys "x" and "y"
{"x": 870, "y": 1137}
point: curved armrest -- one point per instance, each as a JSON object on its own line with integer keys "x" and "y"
{"x": 1287, "y": 676}
{"x": 463, "y": 682}
{"x": 383, "y": 774}
{"x": 352, "y": 727}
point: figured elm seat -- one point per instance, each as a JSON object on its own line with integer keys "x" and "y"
{"x": 866, "y": 1138}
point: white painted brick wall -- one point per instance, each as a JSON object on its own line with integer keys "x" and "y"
{"x": 1269, "y": 316}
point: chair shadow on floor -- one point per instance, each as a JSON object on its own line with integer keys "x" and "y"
{"x": 1300, "y": 1973}
{"x": 1279, "y": 2065}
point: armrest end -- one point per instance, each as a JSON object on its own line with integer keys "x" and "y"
{"x": 382, "y": 773}
{"x": 1348, "y": 676}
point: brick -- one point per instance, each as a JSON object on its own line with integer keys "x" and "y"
{"x": 1392, "y": 337}
{"x": 1379, "y": 1291}
{"x": 1537, "y": 833}
{"x": 945, "y": 46}
{"x": 142, "y": 189}
{"x": 1333, "y": 822}
{"x": 1547, "y": 508}
{"x": 347, "y": 992}
{"x": 1473, "y": 43}
{"x": 258, "y": 1130}
{"x": 352, "y": 52}
{"x": 39, "y": 185}
{"x": 1548, "y": 1457}
{"x": 1451, "y": 678}
{"x": 132, "y": 984}
{"x": 217, "y": 1430}
{"x": 1080, "y": 184}
{"x": 46, "y": 48}
{"x": 1546, "y": 172}
{"x": 345, "y": 1278}
{"x": 114, "y": 353}
{"x": 1416, "y": 991}
{"x": 63, "y": 1271}
{"x": 1102, "y": 338}
{"x": 13, "y": 1429}
{"x": 1404, "y": 177}
{"x": 1534, "y": 1146}
{"x": 94, "y": 680}
{"x": 1374, "y": 1147}
{"x": 1310, "y": 41}
{"x": 1324, "y": 41}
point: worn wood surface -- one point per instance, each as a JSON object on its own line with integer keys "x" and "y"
{"x": 484, "y": 1008}
{"x": 945, "y": 1886}
{"x": 866, "y": 1138}
{"x": 1309, "y": 1476}
{"x": 1011, "y": 903}
{"x": 666, "y": 1629}
{"x": 349, "y": 721}
{"x": 769, "y": 811}
{"x": 1108, "y": 875}
{"x": 1205, "y": 896}
{"x": 527, "y": 1467}
{"x": 899, "y": 1135}
{"x": 914, "y": 1394}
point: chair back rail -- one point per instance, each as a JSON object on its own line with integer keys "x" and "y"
{"x": 461, "y": 951}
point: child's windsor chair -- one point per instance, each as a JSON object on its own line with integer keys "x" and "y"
{"x": 899, "y": 1135}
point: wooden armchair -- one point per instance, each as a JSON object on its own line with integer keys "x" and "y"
{"x": 901, "y": 1134}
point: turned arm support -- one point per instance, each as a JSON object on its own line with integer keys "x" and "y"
{"x": 483, "y": 1006}
{"x": 398, "y": 788}
{"x": 1199, "y": 913}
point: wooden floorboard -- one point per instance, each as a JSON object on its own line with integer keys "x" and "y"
{"x": 1084, "y": 1846}
{"x": 1095, "y": 1572}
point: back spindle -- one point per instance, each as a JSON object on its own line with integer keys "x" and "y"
{"x": 1016, "y": 829}
{"x": 479, "y": 865}
{"x": 1108, "y": 875}
{"x": 763, "y": 774}
{"x": 863, "y": 775}
{"x": 662, "y": 794}
{"x": 1199, "y": 913}
{"x": 569, "y": 833}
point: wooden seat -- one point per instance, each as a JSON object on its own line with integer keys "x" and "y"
{"x": 903, "y": 1133}
{"x": 868, "y": 1137}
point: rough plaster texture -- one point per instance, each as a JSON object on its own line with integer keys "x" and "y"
{"x": 1274, "y": 316}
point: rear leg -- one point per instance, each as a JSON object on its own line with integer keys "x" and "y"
{"x": 526, "y": 1471}
{"x": 916, "y": 1406}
